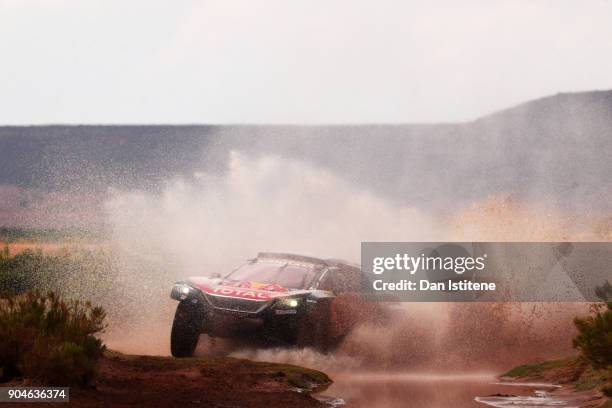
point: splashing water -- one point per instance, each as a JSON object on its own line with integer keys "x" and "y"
{"x": 213, "y": 223}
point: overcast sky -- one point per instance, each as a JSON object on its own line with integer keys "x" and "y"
{"x": 283, "y": 61}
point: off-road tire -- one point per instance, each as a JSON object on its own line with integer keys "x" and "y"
{"x": 186, "y": 329}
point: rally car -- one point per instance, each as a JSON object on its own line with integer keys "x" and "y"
{"x": 279, "y": 298}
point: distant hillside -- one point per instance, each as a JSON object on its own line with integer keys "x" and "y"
{"x": 559, "y": 147}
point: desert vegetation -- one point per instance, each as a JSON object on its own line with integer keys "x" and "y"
{"x": 594, "y": 339}
{"x": 48, "y": 340}
{"x": 592, "y": 368}
{"x": 74, "y": 273}
{"x": 45, "y": 337}
{"x": 46, "y": 235}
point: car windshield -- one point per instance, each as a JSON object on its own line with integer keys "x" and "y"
{"x": 287, "y": 275}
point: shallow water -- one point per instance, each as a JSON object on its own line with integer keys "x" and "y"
{"x": 417, "y": 390}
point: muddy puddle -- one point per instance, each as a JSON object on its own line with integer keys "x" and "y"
{"x": 408, "y": 390}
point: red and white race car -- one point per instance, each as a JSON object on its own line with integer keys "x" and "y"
{"x": 279, "y": 298}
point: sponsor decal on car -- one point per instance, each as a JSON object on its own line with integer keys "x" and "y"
{"x": 241, "y": 293}
{"x": 270, "y": 287}
{"x": 244, "y": 290}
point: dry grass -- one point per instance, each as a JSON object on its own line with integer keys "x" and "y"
{"x": 14, "y": 248}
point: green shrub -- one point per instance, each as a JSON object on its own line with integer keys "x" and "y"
{"x": 594, "y": 337}
{"x": 49, "y": 340}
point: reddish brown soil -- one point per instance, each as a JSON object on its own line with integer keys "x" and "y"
{"x": 206, "y": 382}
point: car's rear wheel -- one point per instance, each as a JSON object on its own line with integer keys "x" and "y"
{"x": 186, "y": 329}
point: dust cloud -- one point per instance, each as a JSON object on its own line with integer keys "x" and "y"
{"x": 212, "y": 223}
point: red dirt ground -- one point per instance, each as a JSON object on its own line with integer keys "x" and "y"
{"x": 206, "y": 382}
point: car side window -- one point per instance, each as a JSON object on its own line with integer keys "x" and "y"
{"x": 348, "y": 280}
{"x": 327, "y": 282}
{"x": 341, "y": 280}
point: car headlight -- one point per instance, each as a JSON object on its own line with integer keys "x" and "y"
{"x": 181, "y": 291}
{"x": 288, "y": 303}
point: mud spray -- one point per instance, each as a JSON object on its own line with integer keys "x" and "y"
{"x": 212, "y": 223}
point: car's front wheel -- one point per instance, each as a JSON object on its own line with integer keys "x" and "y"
{"x": 186, "y": 329}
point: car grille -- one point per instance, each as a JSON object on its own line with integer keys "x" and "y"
{"x": 236, "y": 305}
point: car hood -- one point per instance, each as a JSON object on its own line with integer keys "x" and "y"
{"x": 242, "y": 290}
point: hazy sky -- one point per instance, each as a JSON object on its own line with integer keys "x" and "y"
{"x": 283, "y": 61}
